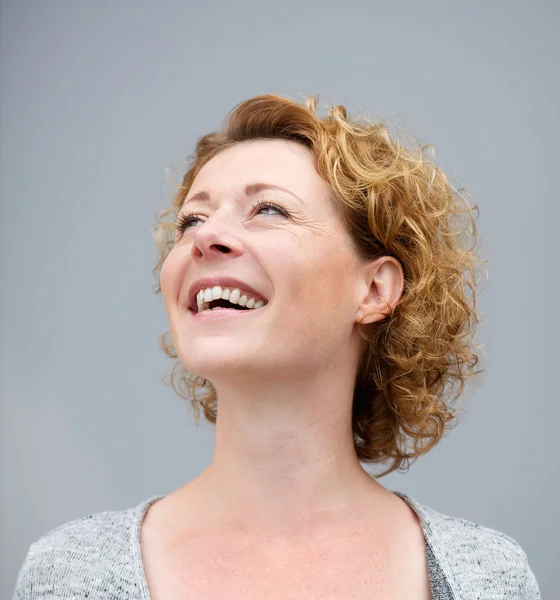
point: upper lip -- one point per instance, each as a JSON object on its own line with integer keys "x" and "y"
{"x": 230, "y": 282}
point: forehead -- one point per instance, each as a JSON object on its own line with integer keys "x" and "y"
{"x": 281, "y": 162}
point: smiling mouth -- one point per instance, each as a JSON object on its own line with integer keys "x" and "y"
{"x": 217, "y": 298}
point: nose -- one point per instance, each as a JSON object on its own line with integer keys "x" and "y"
{"x": 215, "y": 238}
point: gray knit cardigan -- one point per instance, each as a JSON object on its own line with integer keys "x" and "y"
{"x": 98, "y": 557}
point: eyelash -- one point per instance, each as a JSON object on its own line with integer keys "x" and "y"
{"x": 184, "y": 220}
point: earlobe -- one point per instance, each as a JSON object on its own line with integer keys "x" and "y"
{"x": 372, "y": 316}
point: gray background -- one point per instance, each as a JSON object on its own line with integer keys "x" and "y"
{"x": 99, "y": 98}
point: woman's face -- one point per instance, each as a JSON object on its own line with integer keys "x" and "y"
{"x": 300, "y": 261}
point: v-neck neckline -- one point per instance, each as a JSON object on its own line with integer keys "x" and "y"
{"x": 439, "y": 586}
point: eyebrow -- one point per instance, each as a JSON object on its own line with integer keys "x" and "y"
{"x": 251, "y": 189}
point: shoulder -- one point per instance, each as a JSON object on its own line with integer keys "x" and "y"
{"x": 475, "y": 558}
{"x": 91, "y": 556}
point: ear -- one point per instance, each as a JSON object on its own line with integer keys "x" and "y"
{"x": 384, "y": 282}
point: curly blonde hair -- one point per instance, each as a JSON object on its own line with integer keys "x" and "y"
{"x": 394, "y": 201}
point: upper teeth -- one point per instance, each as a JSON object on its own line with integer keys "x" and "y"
{"x": 233, "y": 295}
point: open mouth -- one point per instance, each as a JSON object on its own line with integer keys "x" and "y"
{"x": 223, "y": 306}
{"x": 221, "y": 300}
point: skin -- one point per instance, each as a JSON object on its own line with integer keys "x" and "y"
{"x": 284, "y": 467}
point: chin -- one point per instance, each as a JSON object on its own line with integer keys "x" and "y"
{"x": 212, "y": 365}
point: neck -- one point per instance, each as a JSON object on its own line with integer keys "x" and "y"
{"x": 284, "y": 462}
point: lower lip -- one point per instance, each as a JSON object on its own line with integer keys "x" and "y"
{"x": 222, "y": 313}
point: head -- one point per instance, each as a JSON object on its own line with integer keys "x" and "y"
{"x": 289, "y": 243}
{"x": 345, "y": 238}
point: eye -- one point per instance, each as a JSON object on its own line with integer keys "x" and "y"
{"x": 185, "y": 220}
{"x": 261, "y": 205}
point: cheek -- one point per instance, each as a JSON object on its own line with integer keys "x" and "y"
{"x": 170, "y": 277}
{"x": 321, "y": 289}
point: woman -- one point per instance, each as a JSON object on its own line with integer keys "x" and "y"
{"x": 319, "y": 281}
